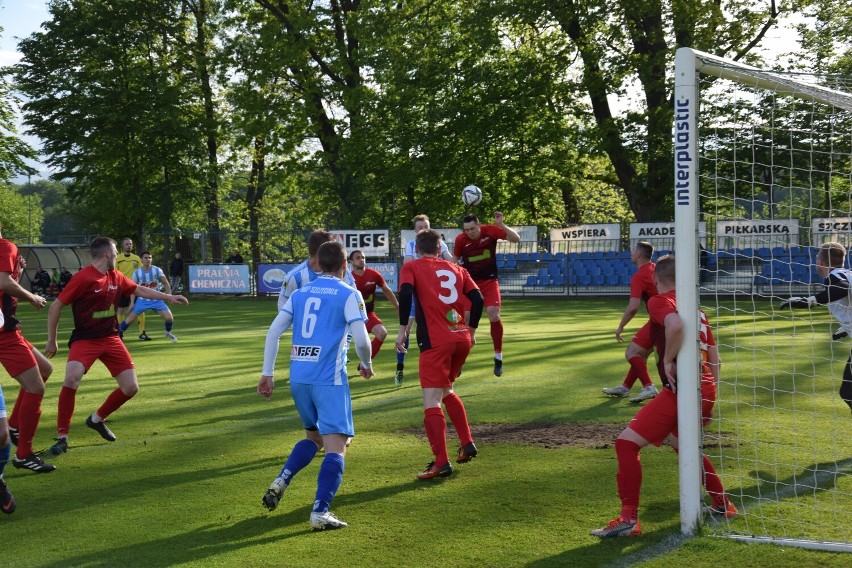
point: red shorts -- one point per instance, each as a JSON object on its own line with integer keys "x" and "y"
{"x": 643, "y": 337}
{"x": 490, "y": 291}
{"x": 439, "y": 366}
{"x": 16, "y": 353}
{"x": 658, "y": 418}
{"x": 372, "y": 321}
{"x": 110, "y": 350}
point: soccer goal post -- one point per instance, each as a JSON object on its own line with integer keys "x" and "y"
{"x": 763, "y": 158}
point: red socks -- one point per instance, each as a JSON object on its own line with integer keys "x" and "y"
{"x": 458, "y": 416}
{"x": 639, "y": 368}
{"x": 436, "y": 431}
{"x": 713, "y": 484}
{"x": 30, "y": 413}
{"x": 629, "y": 478}
{"x": 375, "y": 345}
{"x": 112, "y": 403}
{"x": 497, "y": 336}
{"x": 67, "y": 399}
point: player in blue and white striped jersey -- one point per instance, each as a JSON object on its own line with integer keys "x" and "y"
{"x": 309, "y": 270}
{"x": 150, "y": 276}
{"x": 323, "y": 313}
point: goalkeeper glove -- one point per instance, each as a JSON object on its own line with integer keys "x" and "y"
{"x": 790, "y": 302}
{"x": 839, "y": 334}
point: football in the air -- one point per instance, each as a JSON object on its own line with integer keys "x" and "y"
{"x": 471, "y": 195}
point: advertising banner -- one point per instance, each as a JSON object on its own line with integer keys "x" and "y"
{"x": 219, "y": 279}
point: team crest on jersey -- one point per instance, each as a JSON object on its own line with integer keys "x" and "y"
{"x": 361, "y": 307}
{"x": 309, "y": 353}
{"x": 456, "y": 321}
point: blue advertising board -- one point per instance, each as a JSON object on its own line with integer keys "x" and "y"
{"x": 219, "y": 279}
{"x": 270, "y": 276}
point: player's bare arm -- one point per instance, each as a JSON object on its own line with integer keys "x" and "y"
{"x": 152, "y": 294}
{"x": 391, "y": 297}
{"x": 511, "y": 235}
{"x": 9, "y": 286}
{"x": 166, "y": 286}
{"x": 53, "y": 315}
{"x": 674, "y": 340}
{"x": 632, "y": 308}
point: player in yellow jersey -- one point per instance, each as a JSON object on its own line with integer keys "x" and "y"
{"x": 127, "y": 263}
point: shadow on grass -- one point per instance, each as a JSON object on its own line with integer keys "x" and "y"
{"x": 211, "y": 540}
{"x": 816, "y": 477}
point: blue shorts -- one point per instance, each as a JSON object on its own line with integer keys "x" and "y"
{"x": 143, "y": 304}
{"x": 327, "y": 408}
{"x": 2, "y": 404}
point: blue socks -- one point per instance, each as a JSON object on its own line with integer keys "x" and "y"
{"x": 400, "y": 357}
{"x": 302, "y": 454}
{"x": 5, "y": 453}
{"x": 328, "y": 481}
{"x": 169, "y": 326}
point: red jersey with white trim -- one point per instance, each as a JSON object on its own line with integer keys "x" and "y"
{"x": 366, "y": 284}
{"x": 642, "y": 283}
{"x": 480, "y": 255}
{"x": 659, "y": 307}
{"x": 440, "y": 288}
{"x": 10, "y": 261}
{"x": 93, "y": 296}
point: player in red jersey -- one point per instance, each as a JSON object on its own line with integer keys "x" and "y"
{"x": 366, "y": 281}
{"x": 22, "y": 361}
{"x": 476, "y": 248}
{"x": 657, "y": 421}
{"x": 93, "y": 294}
{"x": 642, "y": 288}
{"x": 444, "y": 339}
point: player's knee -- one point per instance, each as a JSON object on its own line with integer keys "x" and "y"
{"x": 130, "y": 390}
{"x": 31, "y": 381}
{"x": 72, "y": 380}
{"x": 380, "y": 332}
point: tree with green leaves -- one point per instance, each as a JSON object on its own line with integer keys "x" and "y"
{"x": 13, "y": 150}
{"x": 118, "y": 120}
{"x": 632, "y": 42}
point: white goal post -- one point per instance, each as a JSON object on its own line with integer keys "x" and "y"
{"x": 780, "y": 369}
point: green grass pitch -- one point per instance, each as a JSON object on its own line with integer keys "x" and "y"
{"x": 197, "y": 448}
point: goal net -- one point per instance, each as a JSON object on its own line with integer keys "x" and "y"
{"x": 764, "y": 159}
